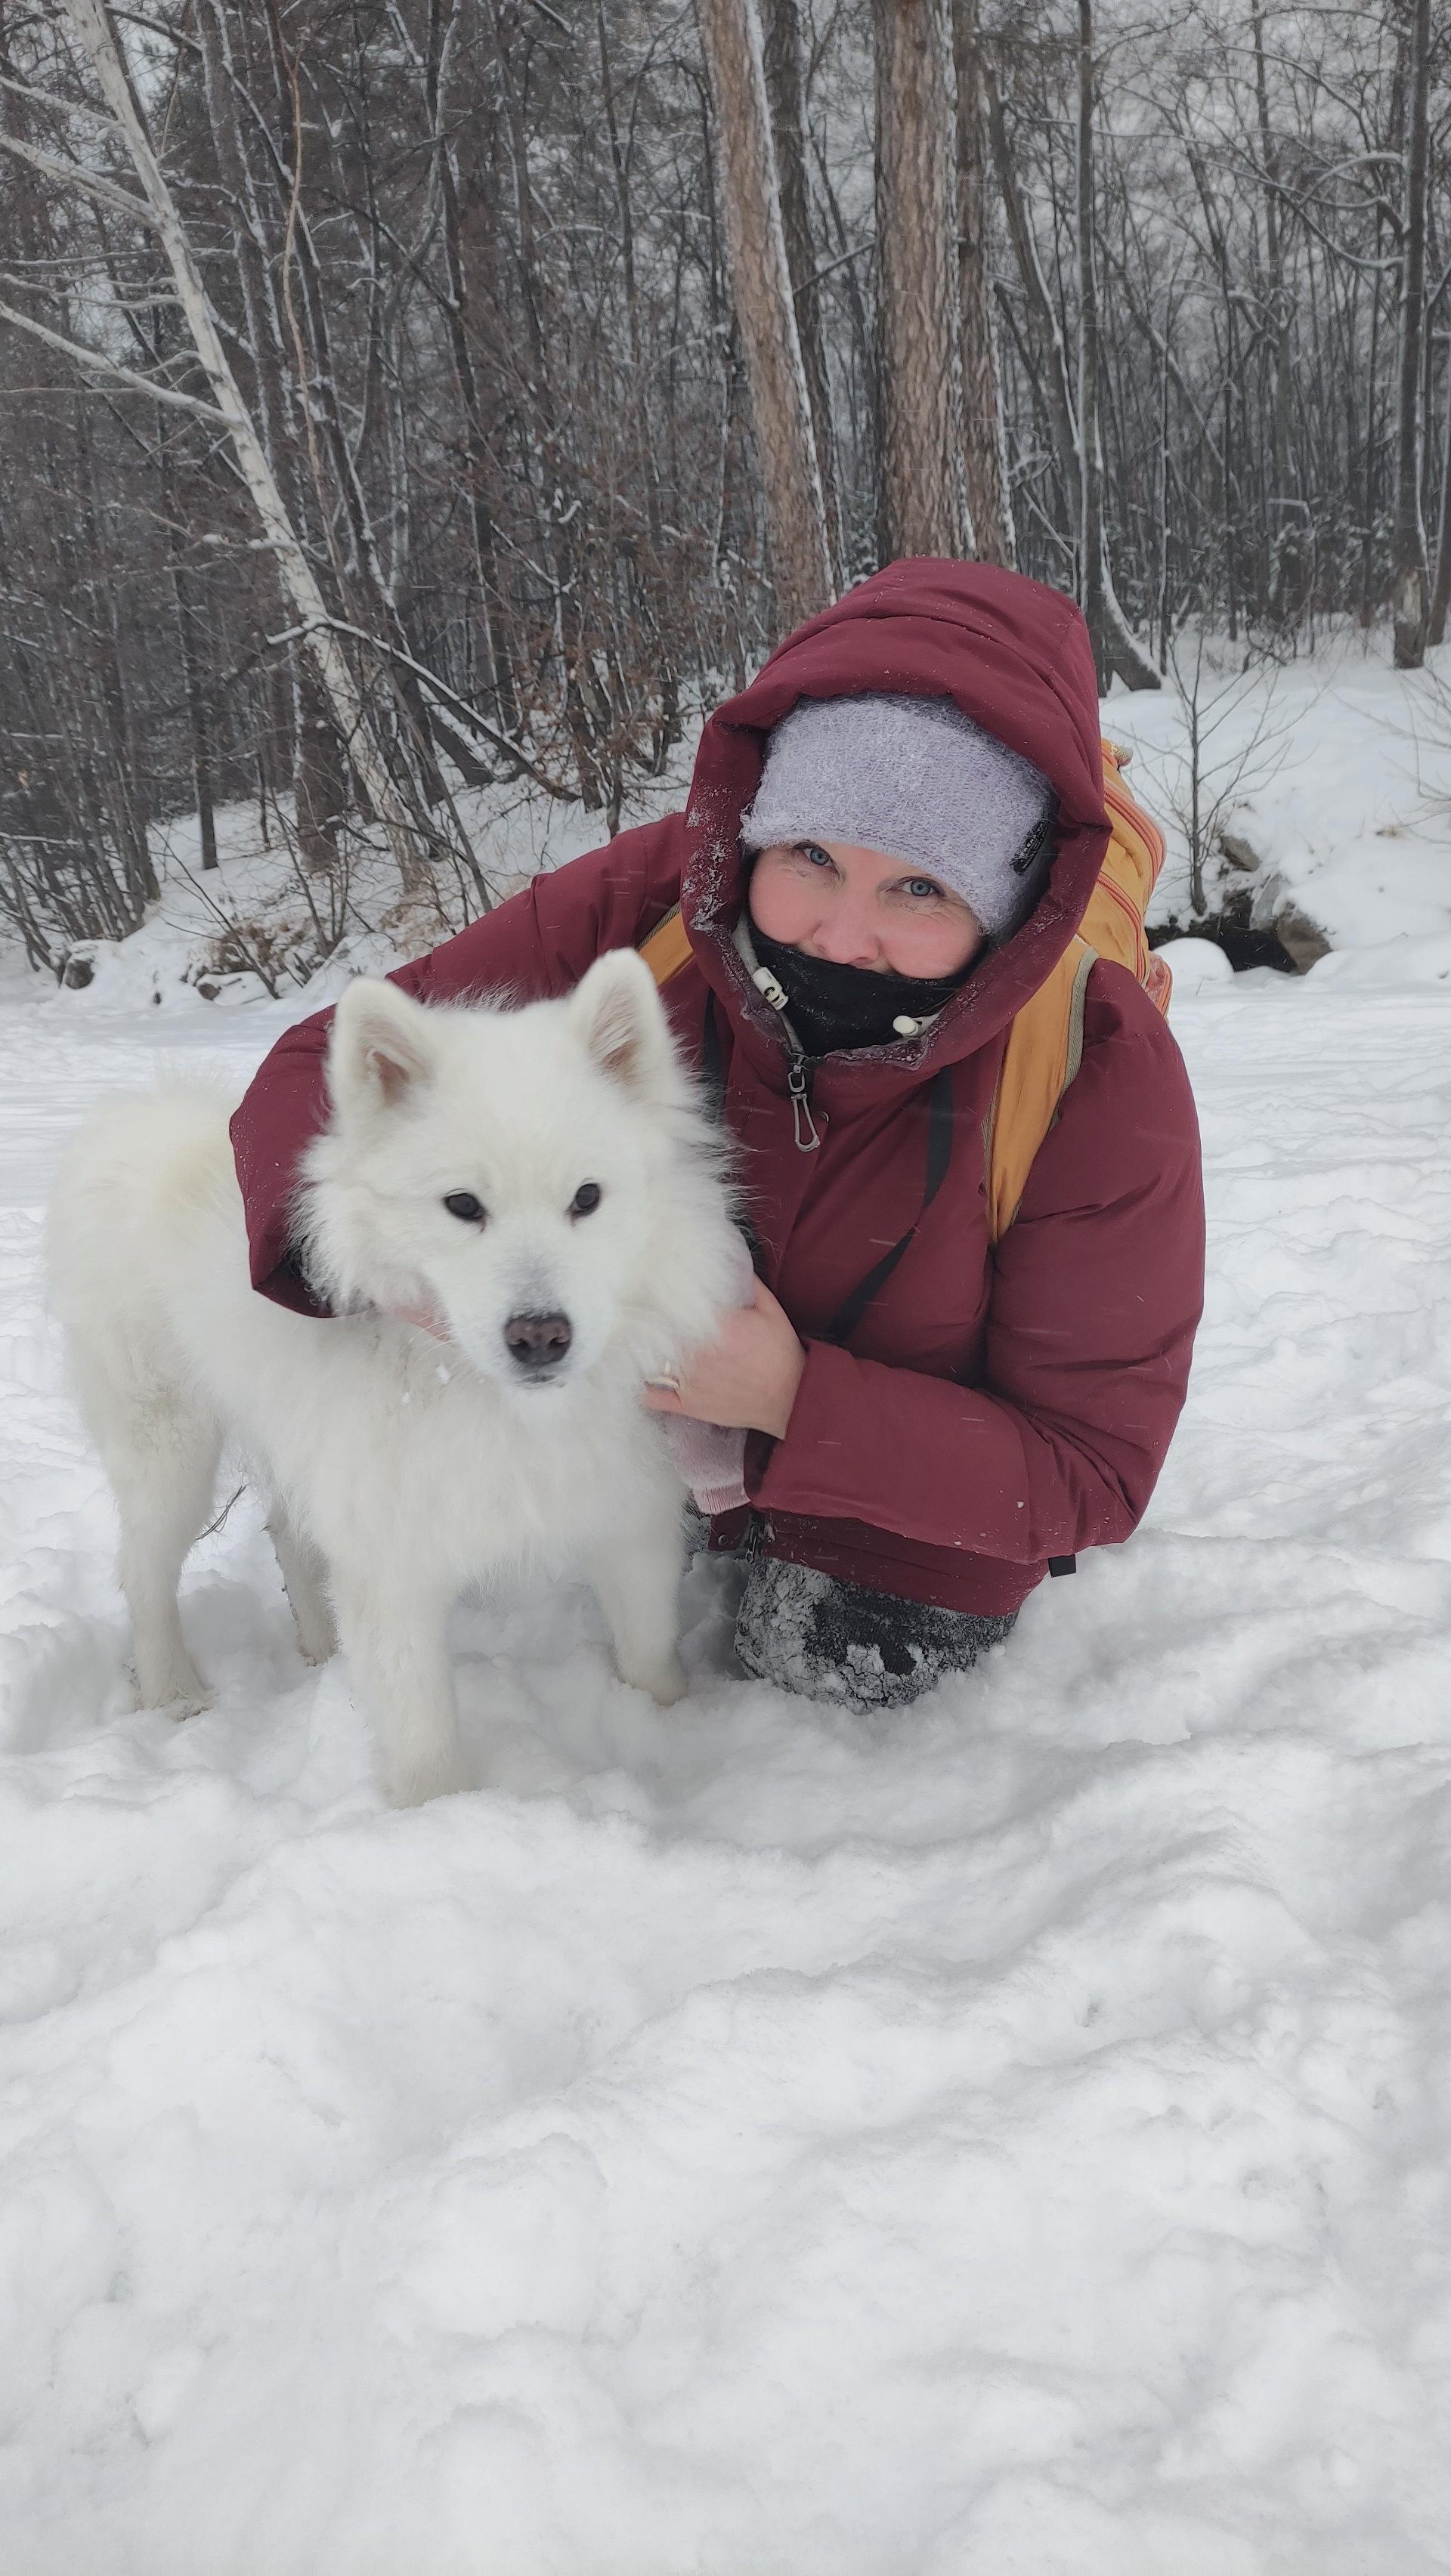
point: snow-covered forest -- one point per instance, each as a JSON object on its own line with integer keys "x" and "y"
{"x": 573, "y": 376}
{"x": 753, "y": 2137}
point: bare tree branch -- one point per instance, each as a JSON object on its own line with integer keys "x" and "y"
{"x": 113, "y": 369}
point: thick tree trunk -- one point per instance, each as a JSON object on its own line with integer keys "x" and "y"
{"x": 1410, "y": 602}
{"x": 786, "y": 94}
{"x": 93, "y": 26}
{"x": 761, "y": 290}
{"x": 924, "y": 493}
{"x": 984, "y": 446}
{"x": 1114, "y": 648}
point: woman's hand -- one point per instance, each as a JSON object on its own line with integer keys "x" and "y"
{"x": 748, "y": 1379}
{"x": 424, "y": 1315}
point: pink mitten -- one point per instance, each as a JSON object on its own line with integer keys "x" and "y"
{"x": 711, "y": 1460}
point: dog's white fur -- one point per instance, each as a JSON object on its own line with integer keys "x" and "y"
{"x": 401, "y": 1467}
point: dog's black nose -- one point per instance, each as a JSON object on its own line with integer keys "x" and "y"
{"x": 538, "y": 1341}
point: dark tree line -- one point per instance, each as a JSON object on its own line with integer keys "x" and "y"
{"x": 583, "y": 343}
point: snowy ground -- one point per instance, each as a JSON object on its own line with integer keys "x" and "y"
{"x": 1011, "y": 2137}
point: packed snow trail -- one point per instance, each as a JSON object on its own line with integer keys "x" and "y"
{"x": 1012, "y": 2135}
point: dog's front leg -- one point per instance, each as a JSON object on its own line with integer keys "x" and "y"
{"x": 636, "y": 1576}
{"x": 396, "y": 1643}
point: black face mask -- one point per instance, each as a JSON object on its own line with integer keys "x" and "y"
{"x": 831, "y": 1006}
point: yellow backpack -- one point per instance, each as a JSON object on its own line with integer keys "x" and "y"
{"x": 1045, "y": 1043}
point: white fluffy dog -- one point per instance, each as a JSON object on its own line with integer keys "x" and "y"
{"x": 538, "y": 1183}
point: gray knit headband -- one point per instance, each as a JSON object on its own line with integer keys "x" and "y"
{"x": 917, "y": 780}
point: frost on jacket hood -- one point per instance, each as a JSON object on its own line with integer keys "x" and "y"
{"x": 1014, "y": 656}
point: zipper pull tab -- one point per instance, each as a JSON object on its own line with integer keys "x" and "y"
{"x": 802, "y": 1124}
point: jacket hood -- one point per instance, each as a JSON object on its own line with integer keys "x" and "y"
{"x": 1016, "y": 658}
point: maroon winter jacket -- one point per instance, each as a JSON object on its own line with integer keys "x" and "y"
{"x": 989, "y": 1411}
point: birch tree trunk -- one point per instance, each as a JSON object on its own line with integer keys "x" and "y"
{"x": 923, "y": 507}
{"x": 984, "y": 446}
{"x": 761, "y": 288}
{"x": 1410, "y": 604}
{"x": 92, "y": 25}
{"x": 785, "y": 90}
{"x": 1114, "y": 648}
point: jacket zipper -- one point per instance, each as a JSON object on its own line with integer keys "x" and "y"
{"x": 805, "y": 1133}
{"x": 803, "y": 1125}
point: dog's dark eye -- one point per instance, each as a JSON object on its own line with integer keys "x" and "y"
{"x": 586, "y": 1199}
{"x": 464, "y": 1205}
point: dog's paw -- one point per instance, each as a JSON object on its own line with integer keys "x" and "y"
{"x": 178, "y": 1696}
{"x": 193, "y": 1703}
{"x": 666, "y": 1683}
{"x": 416, "y": 1786}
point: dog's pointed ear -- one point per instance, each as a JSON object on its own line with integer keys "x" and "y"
{"x": 618, "y": 1013}
{"x": 381, "y": 1048}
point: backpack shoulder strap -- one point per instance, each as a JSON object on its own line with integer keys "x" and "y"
{"x": 667, "y": 948}
{"x": 1045, "y": 1043}
{"x": 1041, "y": 1058}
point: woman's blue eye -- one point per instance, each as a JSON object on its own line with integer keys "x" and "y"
{"x": 923, "y": 886}
{"x": 813, "y": 851}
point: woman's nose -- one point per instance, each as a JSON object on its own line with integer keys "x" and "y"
{"x": 847, "y": 934}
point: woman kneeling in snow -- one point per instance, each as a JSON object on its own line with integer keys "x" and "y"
{"x": 890, "y": 839}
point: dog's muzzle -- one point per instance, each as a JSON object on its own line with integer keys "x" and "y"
{"x": 537, "y": 1343}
